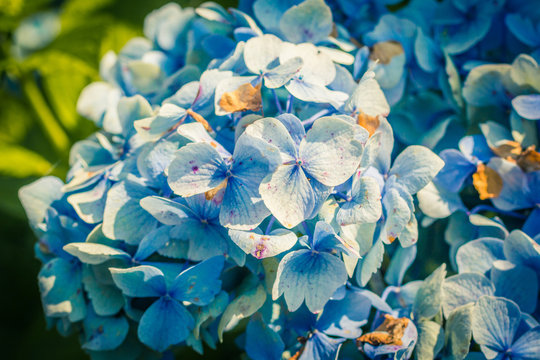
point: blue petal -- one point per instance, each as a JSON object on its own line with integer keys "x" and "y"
{"x": 310, "y": 21}
{"x": 519, "y": 248}
{"x": 464, "y": 288}
{"x": 166, "y": 211}
{"x": 152, "y": 242}
{"x": 304, "y": 274}
{"x": 494, "y": 324}
{"x": 415, "y": 167}
{"x": 38, "y": 196}
{"x": 345, "y": 317}
{"x": 140, "y": 281}
{"x": 263, "y": 246}
{"x": 200, "y": 283}
{"x": 94, "y": 254}
{"x": 196, "y": 168}
{"x": 527, "y": 106}
{"x": 243, "y": 207}
{"x": 517, "y": 283}
{"x": 401, "y": 261}
{"x": 332, "y": 149}
{"x": 320, "y": 346}
{"x": 104, "y": 333}
{"x": 60, "y": 284}
{"x": 105, "y": 297}
{"x": 262, "y": 342}
{"x": 479, "y": 255}
{"x": 527, "y": 347}
{"x": 370, "y": 263}
{"x": 456, "y": 171}
{"x": 122, "y": 211}
{"x": 89, "y": 204}
{"x": 365, "y": 205}
{"x": 166, "y": 322}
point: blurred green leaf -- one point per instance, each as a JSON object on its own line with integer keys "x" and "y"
{"x": 15, "y": 118}
{"x": 63, "y": 77}
{"x": 20, "y": 162}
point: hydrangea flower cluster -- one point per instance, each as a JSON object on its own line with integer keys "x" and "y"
{"x": 246, "y": 177}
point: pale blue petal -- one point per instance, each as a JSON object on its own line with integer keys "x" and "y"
{"x": 527, "y": 347}
{"x": 332, "y": 150}
{"x": 262, "y": 53}
{"x": 166, "y": 211}
{"x": 479, "y": 255}
{"x": 288, "y": 195}
{"x": 415, "y": 167}
{"x": 275, "y": 133}
{"x": 344, "y": 318}
{"x": 263, "y": 246}
{"x": 310, "y": 21}
{"x": 89, "y": 204}
{"x": 401, "y": 261}
{"x": 397, "y": 215}
{"x": 122, "y": 210}
{"x": 38, "y": 196}
{"x": 280, "y": 75}
{"x": 314, "y": 277}
{"x": 428, "y": 299}
{"x": 494, "y": 323}
{"x": 196, "y": 168}
{"x": 464, "y": 288}
{"x": 517, "y": 283}
{"x": 527, "y": 106}
{"x": 61, "y": 289}
{"x": 94, "y": 254}
{"x": 320, "y": 346}
{"x": 370, "y": 263}
{"x": 152, "y": 242}
{"x": 365, "y": 205}
{"x": 519, "y": 248}
{"x": 140, "y": 281}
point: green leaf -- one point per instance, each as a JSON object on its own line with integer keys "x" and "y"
{"x": 15, "y": 118}
{"x": 427, "y": 302}
{"x": 459, "y": 332}
{"x": 245, "y": 304}
{"x": 63, "y": 77}
{"x": 430, "y": 340}
{"x": 16, "y": 161}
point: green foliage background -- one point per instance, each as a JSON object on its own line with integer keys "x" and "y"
{"x": 38, "y": 125}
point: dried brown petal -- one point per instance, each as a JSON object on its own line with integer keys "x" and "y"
{"x": 487, "y": 182}
{"x": 390, "y": 332}
{"x": 529, "y": 159}
{"x": 384, "y": 51}
{"x": 210, "y": 194}
{"x": 198, "y": 118}
{"x": 246, "y": 97}
{"x": 368, "y": 122}
{"x": 509, "y": 150}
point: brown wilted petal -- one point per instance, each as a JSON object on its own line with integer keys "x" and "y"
{"x": 210, "y": 194}
{"x": 198, "y": 118}
{"x": 389, "y": 332}
{"x": 246, "y": 97}
{"x": 529, "y": 159}
{"x": 370, "y": 123}
{"x": 509, "y": 150}
{"x": 384, "y": 51}
{"x": 487, "y": 182}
